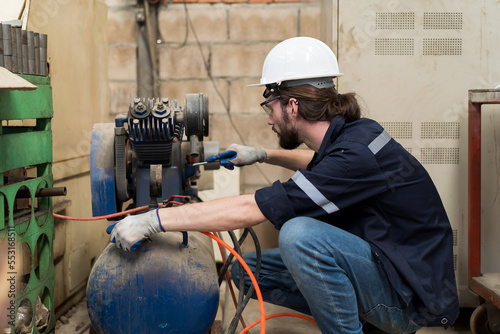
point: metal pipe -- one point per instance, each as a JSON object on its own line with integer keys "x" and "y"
{"x": 194, "y": 147}
{"x": 42, "y": 192}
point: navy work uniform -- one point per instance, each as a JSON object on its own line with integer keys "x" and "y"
{"x": 363, "y": 181}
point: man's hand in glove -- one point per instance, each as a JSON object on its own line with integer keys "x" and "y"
{"x": 129, "y": 232}
{"x": 245, "y": 155}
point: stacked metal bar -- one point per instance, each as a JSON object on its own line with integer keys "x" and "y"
{"x": 23, "y": 51}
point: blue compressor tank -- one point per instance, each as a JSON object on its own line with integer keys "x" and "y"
{"x": 162, "y": 287}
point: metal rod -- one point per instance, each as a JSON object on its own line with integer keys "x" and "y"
{"x": 24, "y": 39}
{"x": 7, "y": 47}
{"x": 13, "y": 47}
{"x": 36, "y": 43}
{"x": 42, "y": 192}
{"x": 1, "y": 45}
{"x": 19, "y": 46}
{"x": 43, "y": 54}
{"x": 31, "y": 52}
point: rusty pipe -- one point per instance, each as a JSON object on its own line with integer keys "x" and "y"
{"x": 42, "y": 192}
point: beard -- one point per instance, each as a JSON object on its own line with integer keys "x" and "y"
{"x": 289, "y": 136}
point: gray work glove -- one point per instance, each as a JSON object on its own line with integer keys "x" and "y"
{"x": 245, "y": 155}
{"x": 129, "y": 232}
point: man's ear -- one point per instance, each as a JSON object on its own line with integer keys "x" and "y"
{"x": 294, "y": 107}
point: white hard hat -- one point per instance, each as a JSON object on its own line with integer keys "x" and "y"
{"x": 299, "y": 58}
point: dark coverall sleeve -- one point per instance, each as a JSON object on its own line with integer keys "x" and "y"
{"x": 345, "y": 176}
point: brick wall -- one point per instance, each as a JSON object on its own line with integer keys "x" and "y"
{"x": 218, "y": 53}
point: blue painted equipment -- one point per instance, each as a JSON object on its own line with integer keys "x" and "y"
{"x": 164, "y": 286}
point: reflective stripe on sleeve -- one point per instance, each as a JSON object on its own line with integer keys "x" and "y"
{"x": 314, "y": 194}
{"x": 378, "y": 143}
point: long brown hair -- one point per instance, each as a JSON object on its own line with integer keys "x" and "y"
{"x": 322, "y": 104}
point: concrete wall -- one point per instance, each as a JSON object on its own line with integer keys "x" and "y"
{"x": 213, "y": 48}
{"x": 216, "y": 48}
{"x": 77, "y": 56}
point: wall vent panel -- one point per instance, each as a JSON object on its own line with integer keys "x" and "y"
{"x": 440, "y": 130}
{"x": 394, "y": 46}
{"x": 440, "y": 155}
{"x": 398, "y": 130}
{"x": 442, "y": 47}
{"x": 442, "y": 20}
{"x": 394, "y": 21}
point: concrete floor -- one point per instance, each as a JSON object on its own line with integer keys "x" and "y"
{"x": 76, "y": 320}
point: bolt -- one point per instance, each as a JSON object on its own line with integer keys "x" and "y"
{"x": 140, "y": 109}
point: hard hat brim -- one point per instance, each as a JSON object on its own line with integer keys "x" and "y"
{"x": 291, "y": 79}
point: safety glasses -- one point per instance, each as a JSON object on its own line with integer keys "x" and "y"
{"x": 264, "y": 104}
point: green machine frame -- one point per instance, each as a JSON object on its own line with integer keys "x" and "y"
{"x": 27, "y": 233}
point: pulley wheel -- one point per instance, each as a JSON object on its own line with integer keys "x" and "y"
{"x": 196, "y": 115}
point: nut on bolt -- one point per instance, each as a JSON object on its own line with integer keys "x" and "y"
{"x": 140, "y": 108}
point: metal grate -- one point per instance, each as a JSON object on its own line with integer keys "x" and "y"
{"x": 455, "y": 261}
{"x": 440, "y": 155}
{"x": 455, "y": 237}
{"x": 442, "y": 47}
{"x": 394, "y": 21}
{"x": 394, "y": 46}
{"x": 440, "y": 130}
{"x": 398, "y": 130}
{"x": 443, "y": 20}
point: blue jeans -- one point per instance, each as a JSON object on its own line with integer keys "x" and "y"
{"x": 330, "y": 274}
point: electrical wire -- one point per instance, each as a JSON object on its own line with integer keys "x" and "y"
{"x": 252, "y": 278}
{"x": 113, "y": 215}
{"x": 228, "y": 280}
{"x": 223, "y": 100}
{"x": 221, "y": 243}
{"x": 245, "y": 298}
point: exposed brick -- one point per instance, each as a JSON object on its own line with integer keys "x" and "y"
{"x": 120, "y": 96}
{"x": 210, "y": 23}
{"x": 253, "y": 129}
{"x": 260, "y": 1}
{"x": 122, "y": 63}
{"x": 239, "y": 60}
{"x": 244, "y": 99}
{"x": 121, "y": 26}
{"x": 222, "y": 131}
{"x": 179, "y": 88}
{"x": 234, "y": 1}
{"x": 182, "y": 63}
{"x": 310, "y": 20}
{"x": 261, "y": 23}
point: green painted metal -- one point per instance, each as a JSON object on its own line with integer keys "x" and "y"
{"x": 25, "y": 104}
{"x": 28, "y": 230}
{"x": 27, "y": 152}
